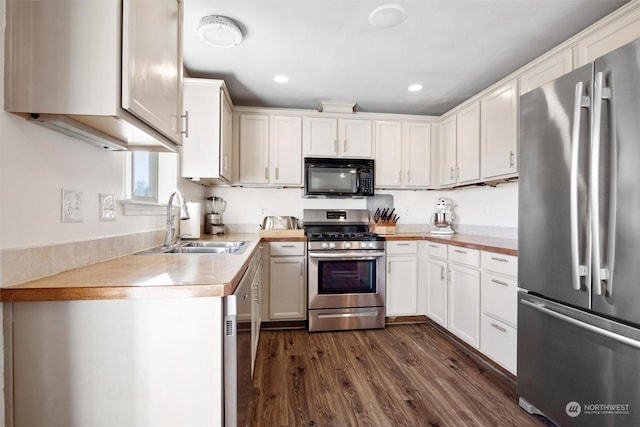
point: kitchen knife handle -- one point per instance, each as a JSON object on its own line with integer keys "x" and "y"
{"x": 577, "y": 270}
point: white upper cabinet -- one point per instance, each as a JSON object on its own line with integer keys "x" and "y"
{"x": 447, "y": 151}
{"x": 548, "y": 70}
{"x": 331, "y": 137}
{"x": 286, "y": 150}
{"x": 254, "y": 149}
{"x": 206, "y": 151}
{"x": 602, "y": 39}
{"x": 270, "y": 150}
{"x": 112, "y": 69}
{"x": 468, "y": 144}
{"x": 403, "y": 154}
{"x": 499, "y": 131}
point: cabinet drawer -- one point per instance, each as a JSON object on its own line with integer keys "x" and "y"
{"x": 286, "y": 248}
{"x": 499, "y": 341}
{"x": 499, "y": 263}
{"x": 402, "y": 247}
{"x": 437, "y": 250}
{"x": 463, "y": 255}
{"x": 500, "y": 297}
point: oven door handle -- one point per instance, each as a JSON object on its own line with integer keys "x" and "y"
{"x": 349, "y": 255}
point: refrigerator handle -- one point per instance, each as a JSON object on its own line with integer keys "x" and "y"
{"x": 599, "y": 274}
{"x": 599, "y": 331}
{"x": 577, "y": 270}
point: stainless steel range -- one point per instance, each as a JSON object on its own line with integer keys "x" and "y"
{"x": 346, "y": 270}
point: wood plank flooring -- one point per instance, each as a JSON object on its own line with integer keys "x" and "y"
{"x": 403, "y": 375}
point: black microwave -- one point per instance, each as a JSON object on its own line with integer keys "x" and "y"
{"x": 338, "y": 177}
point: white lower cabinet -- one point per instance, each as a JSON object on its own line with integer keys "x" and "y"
{"x": 499, "y": 306}
{"x": 402, "y": 278}
{"x": 464, "y": 303}
{"x": 437, "y": 283}
{"x": 287, "y": 281}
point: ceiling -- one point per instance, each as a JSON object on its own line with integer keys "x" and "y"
{"x": 330, "y": 51}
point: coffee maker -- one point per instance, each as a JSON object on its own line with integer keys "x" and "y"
{"x": 443, "y": 217}
{"x": 213, "y": 218}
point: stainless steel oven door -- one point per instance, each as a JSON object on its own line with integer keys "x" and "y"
{"x": 346, "y": 279}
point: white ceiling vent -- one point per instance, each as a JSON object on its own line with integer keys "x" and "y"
{"x": 336, "y": 107}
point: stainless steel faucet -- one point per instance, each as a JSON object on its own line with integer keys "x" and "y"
{"x": 184, "y": 214}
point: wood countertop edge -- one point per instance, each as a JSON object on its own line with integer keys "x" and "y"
{"x": 15, "y": 293}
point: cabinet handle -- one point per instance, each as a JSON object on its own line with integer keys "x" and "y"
{"x": 408, "y": 176}
{"x": 225, "y": 163}
{"x": 402, "y": 244}
{"x": 449, "y": 275}
{"x": 400, "y": 175}
{"x": 277, "y": 172}
{"x": 451, "y": 174}
{"x": 434, "y": 246}
{"x": 498, "y": 327}
{"x": 511, "y": 158}
{"x": 344, "y": 146}
{"x": 302, "y": 269}
{"x": 266, "y": 173}
{"x": 335, "y": 146}
{"x": 500, "y": 282}
{"x": 287, "y": 246}
{"x": 458, "y": 172}
{"x": 442, "y": 277}
{"x": 459, "y": 251}
{"x": 185, "y": 132}
{"x": 499, "y": 259}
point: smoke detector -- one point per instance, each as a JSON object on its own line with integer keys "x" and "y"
{"x": 219, "y": 31}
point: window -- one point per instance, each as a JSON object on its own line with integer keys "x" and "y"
{"x": 144, "y": 173}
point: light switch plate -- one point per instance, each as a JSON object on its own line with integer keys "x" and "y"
{"x": 71, "y": 206}
{"x": 107, "y": 207}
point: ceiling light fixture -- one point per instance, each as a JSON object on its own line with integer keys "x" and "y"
{"x": 281, "y": 79}
{"x": 415, "y": 88}
{"x": 219, "y": 31}
{"x": 387, "y": 16}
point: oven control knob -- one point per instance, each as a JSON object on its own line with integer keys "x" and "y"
{"x": 332, "y": 245}
{"x": 347, "y": 245}
{"x": 371, "y": 245}
{"x": 324, "y": 245}
{"x": 363, "y": 245}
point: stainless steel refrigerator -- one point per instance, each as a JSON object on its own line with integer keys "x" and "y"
{"x": 579, "y": 245}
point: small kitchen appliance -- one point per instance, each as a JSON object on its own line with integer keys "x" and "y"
{"x": 213, "y": 223}
{"x": 443, "y": 217}
{"x": 346, "y": 270}
{"x": 333, "y": 178}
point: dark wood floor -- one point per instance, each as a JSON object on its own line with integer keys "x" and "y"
{"x": 403, "y": 375}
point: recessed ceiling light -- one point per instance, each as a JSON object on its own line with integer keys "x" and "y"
{"x": 387, "y": 16}
{"x": 415, "y": 88}
{"x": 219, "y": 31}
{"x": 281, "y": 79}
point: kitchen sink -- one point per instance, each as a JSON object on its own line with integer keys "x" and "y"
{"x": 199, "y": 247}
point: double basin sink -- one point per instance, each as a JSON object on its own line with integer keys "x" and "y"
{"x": 199, "y": 247}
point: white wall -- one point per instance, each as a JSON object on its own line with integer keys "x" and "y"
{"x": 474, "y": 206}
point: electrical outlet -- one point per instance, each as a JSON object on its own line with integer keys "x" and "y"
{"x": 262, "y": 212}
{"x": 406, "y": 212}
{"x": 71, "y": 206}
{"x": 107, "y": 207}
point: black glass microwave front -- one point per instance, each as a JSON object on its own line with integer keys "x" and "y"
{"x": 338, "y": 177}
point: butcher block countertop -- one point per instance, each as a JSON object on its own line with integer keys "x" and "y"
{"x": 186, "y": 275}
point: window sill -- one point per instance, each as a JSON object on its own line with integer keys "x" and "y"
{"x": 135, "y": 207}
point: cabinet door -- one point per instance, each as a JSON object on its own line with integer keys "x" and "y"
{"x": 226, "y": 123}
{"x": 388, "y": 142}
{"x": 320, "y": 136}
{"x": 464, "y": 303}
{"x": 548, "y": 70}
{"x": 201, "y": 144}
{"x": 354, "y": 138}
{"x": 468, "y": 144}
{"x": 416, "y": 139}
{"x": 287, "y": 289}
{"x": 447, "y": 149}
{"x": 499, "y": 130}
{"x": 286, "y": 150}
{"x": 254, "y": 149}
{"x": 152, "y": 63}
{"x": 437, "y": 305}
{"x": 402, "y": 286}
{"x": 625, "y": 29}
